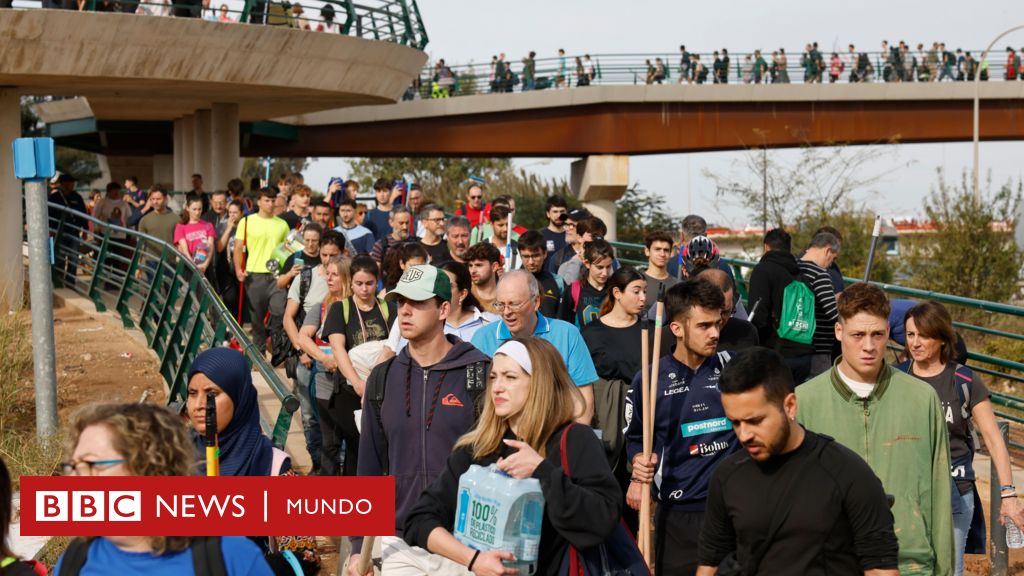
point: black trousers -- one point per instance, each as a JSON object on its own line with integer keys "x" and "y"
{"x": 676, "y": 536}
{"x": 338, "y": 426}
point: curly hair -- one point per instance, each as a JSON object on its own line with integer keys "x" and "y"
{"x": 154, "y": 442}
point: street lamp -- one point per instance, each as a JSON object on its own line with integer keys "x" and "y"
{"x": 977, "y": 79}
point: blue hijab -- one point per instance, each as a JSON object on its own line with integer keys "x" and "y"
{"x": 244, "y": 450}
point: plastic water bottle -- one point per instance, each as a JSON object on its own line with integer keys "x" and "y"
{"x": 1014, "y": 536}
{"x": 497, "y": 512}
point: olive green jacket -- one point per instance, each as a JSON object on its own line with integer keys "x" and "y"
{"x": 900, "y": 431}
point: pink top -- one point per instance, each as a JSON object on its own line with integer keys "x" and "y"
{"x": 195, "y": 235}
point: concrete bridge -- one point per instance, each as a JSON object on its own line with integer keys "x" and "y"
{"x": 200, "y": 78}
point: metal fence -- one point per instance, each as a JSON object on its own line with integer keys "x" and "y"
{"x": 439, "y": 81}
{"x": 397, "y": 21}
{"x": 143, "y": 280}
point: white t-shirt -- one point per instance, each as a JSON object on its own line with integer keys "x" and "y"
{"x": 317, "y": 289}
{"x": 861, "y": 389}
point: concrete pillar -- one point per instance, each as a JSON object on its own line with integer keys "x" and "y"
{"x": 226, "y": 147}
{"x": 188, "y": 144}
{"x": 178, "y": 176}
{"x": 201, "y": 151}
{"x": 599, "y": 181}
{"x": 164, "y": 170}
{"x": 12, "y": 271}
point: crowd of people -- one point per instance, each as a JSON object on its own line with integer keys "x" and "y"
{"x": 781, "y": 438}
{"x": 897, "y": 63}
{"x": 290, "y": 14}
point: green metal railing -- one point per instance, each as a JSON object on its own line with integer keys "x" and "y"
{"x": 633, "y": 69}
{"x": 397, "y": 21}
{"x": 143, "y": 280}
{"x": 1006, "y": 406}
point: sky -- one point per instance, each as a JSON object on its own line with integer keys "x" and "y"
{"x": 461, "y": 31}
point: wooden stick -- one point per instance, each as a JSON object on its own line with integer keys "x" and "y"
{"x": 644, "y": 536}
{"x": 659, "y": 311}
{"x": 366, "y": 554}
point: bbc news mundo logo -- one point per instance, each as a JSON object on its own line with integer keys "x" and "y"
{"x": 207, "y": 506}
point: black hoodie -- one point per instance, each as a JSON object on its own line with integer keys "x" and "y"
{"x": 423, "y": 414}
{"x": 768, "y": 280}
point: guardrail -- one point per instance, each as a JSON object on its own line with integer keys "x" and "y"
{"x": 397, "y": 21}
{"x": 1006, "y": 406}
{"x": 142, "y": 279}
{"x": 632, "y": 69}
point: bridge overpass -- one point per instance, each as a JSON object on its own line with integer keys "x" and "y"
{"x": 200, "y": 80}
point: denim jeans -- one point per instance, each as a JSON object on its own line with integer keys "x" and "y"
{"x": 307, "y": 408}
{"x": 962, "y": 516}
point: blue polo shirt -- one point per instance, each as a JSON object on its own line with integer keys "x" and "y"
{"x": 564, "y": 336}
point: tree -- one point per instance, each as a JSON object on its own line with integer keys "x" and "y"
{"x": 820, "y": 181}
{"x": 444, "y": 180}
{"x": 972, "y": 252}
{"x": 257, "y": 168}
{"x": 640, "y": 211}
{"x": 855, "y": 224}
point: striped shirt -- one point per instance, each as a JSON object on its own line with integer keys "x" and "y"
{"x": 826, "y": 314}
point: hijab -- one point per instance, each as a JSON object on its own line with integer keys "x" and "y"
{"x": 244, "y": 450}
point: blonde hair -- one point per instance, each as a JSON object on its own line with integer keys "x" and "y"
{"x": 344, "y": 266}
{"x": 154, "y": 442}
{"x": 551, "y": 402}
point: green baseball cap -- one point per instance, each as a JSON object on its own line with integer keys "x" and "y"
{"x": 421, "y": 283}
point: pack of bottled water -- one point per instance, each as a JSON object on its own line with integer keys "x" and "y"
{"x": 498, "y": 512}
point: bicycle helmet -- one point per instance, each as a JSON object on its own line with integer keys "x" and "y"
{"x": 699, "y": 254}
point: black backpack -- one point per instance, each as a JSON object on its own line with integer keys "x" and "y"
{"x": 376, "y": 382}
{"x": 207, "y": 557}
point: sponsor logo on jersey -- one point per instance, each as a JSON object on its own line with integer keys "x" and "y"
{"x": 700, "y": 407}
{"x": 672, "y": 391}
{"x": 704, "y": 427}
{"x": 708, "y": 449}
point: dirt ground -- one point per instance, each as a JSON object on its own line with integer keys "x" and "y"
{"x": 97, "y": 360}
{"x": 978, "y": 565}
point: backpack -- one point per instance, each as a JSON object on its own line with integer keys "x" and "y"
{"x": 796, "y": 321}
{"x": 380, "y": 302}
{"x": 376, "y": 382}
{"x": 207, "y": 556}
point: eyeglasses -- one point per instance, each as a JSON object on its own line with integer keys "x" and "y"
{"x": 570, "y": 225}
{"x": 532, "y": 255}
{"x": 501, "y": 306}
{"x": 87, "y": 467}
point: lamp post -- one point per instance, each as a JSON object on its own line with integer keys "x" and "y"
{"x": 977, "y": 79}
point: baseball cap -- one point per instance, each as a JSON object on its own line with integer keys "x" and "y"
{"x": 423, "y": 282}
{"x": 62, "y": 177}
{"x": 575, "y": 215}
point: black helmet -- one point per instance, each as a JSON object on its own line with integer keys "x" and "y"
{"x": 700, "y": 253}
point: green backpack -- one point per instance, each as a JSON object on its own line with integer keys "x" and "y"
{"x": 796, "y": 322}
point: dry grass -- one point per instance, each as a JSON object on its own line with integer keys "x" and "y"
{"x": 23, "y": 452}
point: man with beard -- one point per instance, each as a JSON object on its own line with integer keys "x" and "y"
{"x": 691, "y": 433}
{"x": 792, "y": 502}
{"x": 457, "y": 235}
{"x": 483, "y": 261}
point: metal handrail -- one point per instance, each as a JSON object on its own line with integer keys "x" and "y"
{"x": 1010, "y": 407}
{"x": 632, "y": 69}
{"x": 177, "y": 308}
{"x": 397, "y": 21}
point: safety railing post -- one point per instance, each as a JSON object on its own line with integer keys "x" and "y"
{"x": 997, "y": 553}
{"x": 58, "y": 274}
{"x": 174, "y": 350}
{"x": 125, "y": 294}
{"x": 159, "y": 345}
{"x": 97, "y": 273}
{"x": 190, "y": 349}
{"x": 149, "y": 306}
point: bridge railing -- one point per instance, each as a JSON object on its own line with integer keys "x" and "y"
{"x": 1011, "y": 370}
{"x": 397, "y": 21}
{"x": 146, "y": 282}
{"x": 633, "y": 69}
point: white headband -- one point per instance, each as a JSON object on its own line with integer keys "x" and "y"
{"x": 516, "y": 351}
